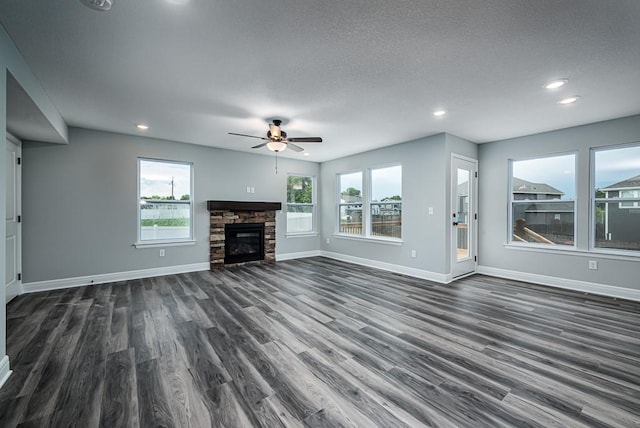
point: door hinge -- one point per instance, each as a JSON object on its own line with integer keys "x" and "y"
{"x": 19, "y": 161}
{"x": 475, "y": 216}
{"x": 475, "y": 258}
{"x": 19, "y": 277}
{"x": 19, "y": 219}
{"x": 476, "y": 174}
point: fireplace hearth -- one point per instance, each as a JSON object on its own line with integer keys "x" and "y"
{"x": 244, "y": 242}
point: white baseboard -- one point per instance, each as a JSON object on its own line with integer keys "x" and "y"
{"x": 404, "y": 270}
{"x": 5, "y": 370}
{"x": 298, "y": 255}
{"x": 56, "y": 284}
{"x": 568, "y": 284}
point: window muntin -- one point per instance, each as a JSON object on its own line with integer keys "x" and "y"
{"x": 616, "y": 198}
{"x": 542, "y": 200}
{"x": 165, "y": 201}
{"x": 350, "y": 203}
{"x": 300, "y": 204}
{"x": 386, "y": 202}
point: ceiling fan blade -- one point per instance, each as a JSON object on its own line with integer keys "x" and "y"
{"x": 259, "y": 145}
{"x": 294, "y": 147}
{"x": 305, "y": 140}
{"x": 250, "y": 136}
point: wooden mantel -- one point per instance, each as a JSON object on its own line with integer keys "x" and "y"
{"x": 243, "y": 206}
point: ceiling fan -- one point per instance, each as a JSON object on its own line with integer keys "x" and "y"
{"x": 277, "y": 140}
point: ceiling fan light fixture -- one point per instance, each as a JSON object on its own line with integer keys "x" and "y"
{"x": 101, "y": 5}
{"x": 275, "y": 132}
{"x": 276, "y": 146}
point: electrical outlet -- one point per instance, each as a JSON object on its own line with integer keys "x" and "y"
{"x": 430, "y": 210}
{"x": 328, "y": 241}
{"x": 162, "y": 253}
{"x": 593, "y": 264}
{"x": 253, "y": 189}
{"x": 248, "y": 189}
{"x": 414, "y": 253}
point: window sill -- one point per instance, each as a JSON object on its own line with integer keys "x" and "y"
{"x": 153, "y": 244}
{"x": 301, "y": 235}
{"x": 386, "y": 241}
{"x": 599, "y": 253}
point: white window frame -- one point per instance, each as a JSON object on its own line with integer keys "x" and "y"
{"x": 366, "y": 206}
{"x": 593, "y": 201}
{"x": 313, "y": 204}
{"x": 140, "y": 243}
{"x": 340, "y": 204}
{"x": 370, "y": 202}
{"x": 511, "y": 200}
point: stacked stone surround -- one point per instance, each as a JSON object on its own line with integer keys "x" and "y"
{"x": 219, "y": 218}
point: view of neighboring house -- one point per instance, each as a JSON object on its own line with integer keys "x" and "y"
{"x": 538, "y": 207}
{"x": 619, "y": 221}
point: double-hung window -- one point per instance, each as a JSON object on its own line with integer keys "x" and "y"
{"x": 371, "y": 205}
{"x": 616, "y": 198}
{"x": 300, "y": 204}
{"x": 165, "y": 201}
{"x": 543, "y": 201}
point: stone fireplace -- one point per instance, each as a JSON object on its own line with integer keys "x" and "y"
{"x": 242, "y": 225}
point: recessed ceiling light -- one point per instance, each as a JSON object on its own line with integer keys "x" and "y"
{"x": 555, "y": 84}
{"x": 569, "y": 100}
{"x": 142, "y": 126}
{"x": 439, "y": 112}
{"x": 307, "y": 154}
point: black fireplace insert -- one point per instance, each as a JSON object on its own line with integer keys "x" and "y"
{"x": 244, "y": 242}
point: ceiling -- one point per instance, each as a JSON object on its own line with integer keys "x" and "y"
{"x": 362, "y": 74}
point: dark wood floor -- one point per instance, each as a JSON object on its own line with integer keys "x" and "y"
{"x": 317, "y": 342}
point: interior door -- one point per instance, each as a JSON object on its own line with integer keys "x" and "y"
{"x": 13, "y": 240}
{"x": 464, "y": 215}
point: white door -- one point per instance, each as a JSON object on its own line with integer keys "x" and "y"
{"x": 13, "y": 240}
{"x": 464, "y": 216}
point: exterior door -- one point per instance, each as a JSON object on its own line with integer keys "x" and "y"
{"x": 13, "y": 240}
{"x": 464, "y": 215}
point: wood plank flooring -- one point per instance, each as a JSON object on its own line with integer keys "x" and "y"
{"x": 320, "y": 343}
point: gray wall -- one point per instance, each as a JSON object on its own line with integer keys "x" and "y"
{"x": 494, "y": 179}
{"x": 425, "y": 182}
{"x": 12, "y": 62}
{"x": 79, "y": 202}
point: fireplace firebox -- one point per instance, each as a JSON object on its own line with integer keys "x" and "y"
{"x": 244, "y": 242}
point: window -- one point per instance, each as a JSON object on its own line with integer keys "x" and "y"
{"x": 300, "y": 204}
{"x": 543, "y": 200}
{"x": 165, "y": 195}
{"x": 616, "y": 198}
{"x": 376, "y": 212}
{"x": 386, "y": 202}
{"x": 350, "y": 206}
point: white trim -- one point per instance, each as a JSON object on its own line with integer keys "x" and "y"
{"x": 56, "y": 284}
{"x": 377, "y": 240}
{"x": 301, "y": 235}
{"x": 299, "y": 255}
{"x": 603, "y": 253}
{"x": 5, "y": 370}
{"x": 161, "y": 243}
{"x": 568, "y": 284}
{"x": 404, "y": 270}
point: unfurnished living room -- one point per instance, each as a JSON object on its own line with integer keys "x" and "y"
{"x": 320, "y": 213}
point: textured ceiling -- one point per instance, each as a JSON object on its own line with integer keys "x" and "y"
{"x": 361, "y": 74}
